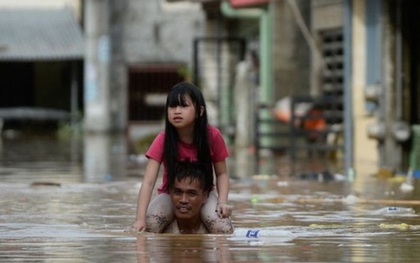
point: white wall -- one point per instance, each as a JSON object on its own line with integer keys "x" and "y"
{"x": 157, "y": 31}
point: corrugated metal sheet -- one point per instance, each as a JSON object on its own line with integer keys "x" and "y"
{"x": 39, "y": 34}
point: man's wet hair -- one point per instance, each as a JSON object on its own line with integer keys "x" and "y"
{"x": 192, "y": 171}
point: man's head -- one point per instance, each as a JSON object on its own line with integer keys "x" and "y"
{"x": 190, "y": 190}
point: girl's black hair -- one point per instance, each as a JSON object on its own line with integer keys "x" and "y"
{"x": 176, "y": 97}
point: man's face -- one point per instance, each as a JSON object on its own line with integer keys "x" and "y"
{"x": 187, "y": 198}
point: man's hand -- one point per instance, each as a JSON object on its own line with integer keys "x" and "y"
{"x": 139, "y": 225}
{"x": 224, "y": 210}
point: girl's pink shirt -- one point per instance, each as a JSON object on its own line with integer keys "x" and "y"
{"x": 218, "y": 149}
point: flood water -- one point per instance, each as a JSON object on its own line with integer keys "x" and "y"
{"x": 74, "y": 200}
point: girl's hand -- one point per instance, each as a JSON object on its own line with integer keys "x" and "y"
{"x": 224, "y": 210}
{"x": 139, "y": 225}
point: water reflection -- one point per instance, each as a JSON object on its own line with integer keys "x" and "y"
{"x": 104, "y": 157}
{"x": 84, "y": 216}
{"x": 170, "y": 248}
{"x": 26, "y": 159}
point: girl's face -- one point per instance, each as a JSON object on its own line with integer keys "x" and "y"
{"x": 182, "y": 115}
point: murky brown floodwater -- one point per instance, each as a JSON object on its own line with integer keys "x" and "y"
{"x": 84, "y": 213}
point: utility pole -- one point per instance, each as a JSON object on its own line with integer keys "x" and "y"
{"x": 97, "y": 116}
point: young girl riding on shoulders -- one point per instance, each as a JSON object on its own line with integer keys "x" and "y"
{"x": 187, "y": 137}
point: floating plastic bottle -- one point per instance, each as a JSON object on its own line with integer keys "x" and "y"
{"x": 395, "y": 210}
{"x": 257, "y": 233}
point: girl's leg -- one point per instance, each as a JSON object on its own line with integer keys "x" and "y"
{"x": 214, "y": 224}
{"x": 159, "y": 213}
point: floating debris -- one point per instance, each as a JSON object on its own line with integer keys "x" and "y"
{"x": 45, "y": 184}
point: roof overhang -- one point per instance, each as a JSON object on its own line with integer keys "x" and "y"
{"x": 40, "y": 34}
{"x": 247, "y": 3}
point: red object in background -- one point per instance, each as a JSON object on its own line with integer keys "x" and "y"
{"x": 315, "y": 123}
{"x": 247, "y": 3}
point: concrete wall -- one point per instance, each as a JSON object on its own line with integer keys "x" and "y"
{"x": 144, "y": 32}
{"x": 291, "y": 52}
{"x": 327, "y": 14}
{"x": 153, "y": 32}
{"x": 365, "y": 149}
{"x": 156, "y": 31}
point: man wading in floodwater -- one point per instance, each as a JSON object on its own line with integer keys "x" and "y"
{"x": 188, "y": 191}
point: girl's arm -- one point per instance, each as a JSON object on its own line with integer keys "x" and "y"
{"x": 222, "y": 185}
{"x": 145, "y": 193}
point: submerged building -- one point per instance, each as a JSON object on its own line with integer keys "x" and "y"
{"x": 355, "y": 60}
